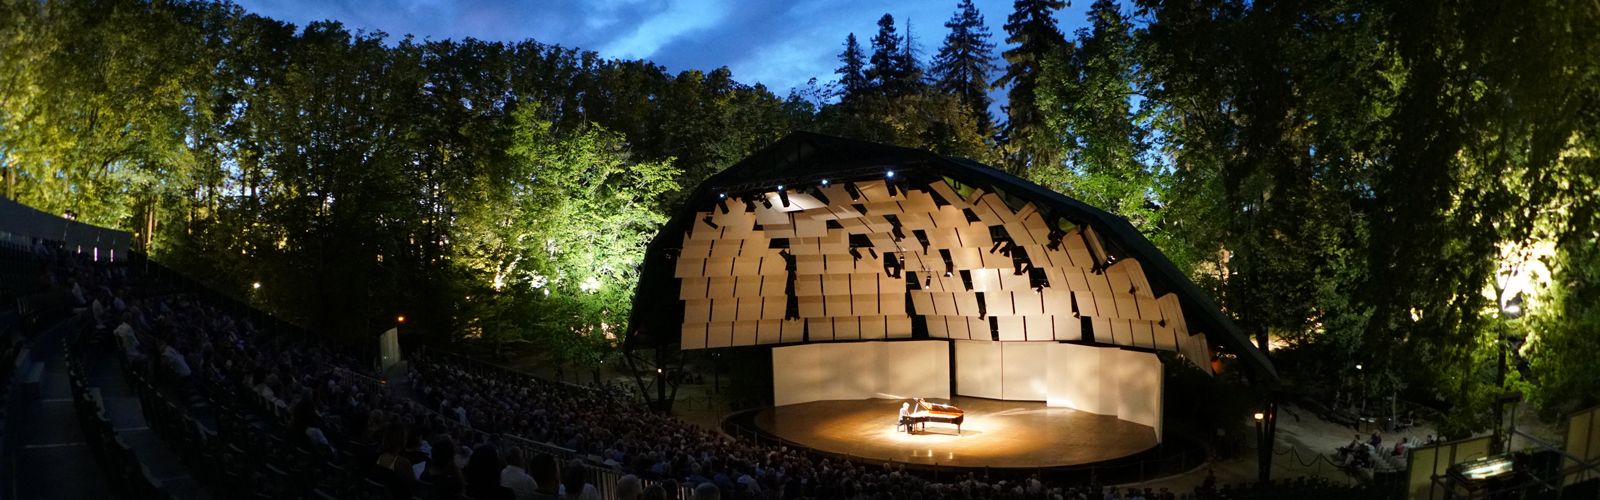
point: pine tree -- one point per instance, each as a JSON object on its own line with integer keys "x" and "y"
{"x": 963, "y": 64}
{"x": 1033, "y": 31}
{"x": 887, "y": 55}
{"x": 910, "y": 69}
{"x": 852, "y": 77}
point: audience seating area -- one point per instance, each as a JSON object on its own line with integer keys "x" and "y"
{"x": 270, "y": 412}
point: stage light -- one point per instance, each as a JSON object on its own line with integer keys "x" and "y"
{"x": 889, "y": 174}
{"x": 1358, "y": 366}
{"x": 824, "y": 182}
{"x": 722, "y": 196}
{"x": 783, "y": 196}
{"x": 1260, "y": 416}
{"x": 255, "y": 286}
{"x": 947, "y": 274}
{"x": 400, "y": 319}
{"x": 658, "y": 371}
{"x": 780, "y": 187}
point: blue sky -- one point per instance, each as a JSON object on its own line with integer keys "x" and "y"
{"x": 777, "y": 43}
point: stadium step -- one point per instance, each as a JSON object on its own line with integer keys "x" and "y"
{"x": 50, "y": 456}
{"x": 127, "y": 419}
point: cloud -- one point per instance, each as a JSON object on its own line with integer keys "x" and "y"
{"x": 778, "y": 43}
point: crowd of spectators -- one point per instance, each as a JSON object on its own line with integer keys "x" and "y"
{"x": 431, "y": 439}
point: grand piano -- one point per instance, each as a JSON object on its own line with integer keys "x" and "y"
{"x": 926, "y": 411}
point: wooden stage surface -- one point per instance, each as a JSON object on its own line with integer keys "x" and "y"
{"x": 1010, "y": 434}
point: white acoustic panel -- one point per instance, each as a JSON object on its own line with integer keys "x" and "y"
{"x": 749, "y": 308}
{"x": 1023, "y": 376}
{"x": 897, "y": 327}
{"x": 819, "y": 329}
{"x": 794, "y": 330}
{"x": 1040, "y": 328}
{"x": 689, "y": 266}
{"x": 719, "y": 334}
{"x": 692, "y": 288}
{"x": 846, "y": 328}
{"x": 696, "y": 310}
{"x": 979, "y": 329}
{"x": 798, "y": 374}
{"x": 1010, "y": 328}
{"x": 957, "y": 327}
{"x": 872, "y": 328}
{"x": 860, "y": 370}
{"x": 1028, "y": 303}
{"x": 978, "y": 369}
{"x": 769, "y": 331}
{"x": 1143, "y": 334}
{"x": 1076, "y": 378}
{"x": 1068, "y": 327}
{"x": 1138, "y": 375}
{"x": 694, "y": 336}
{"x": 744, "y": 332}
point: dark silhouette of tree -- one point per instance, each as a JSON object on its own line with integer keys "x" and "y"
{"x": 965, "y": 61}
{"x": 1033, "y": 32}
{"x": 852, "y": 69}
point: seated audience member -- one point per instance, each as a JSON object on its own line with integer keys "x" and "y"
{"x": 393, "y": 468}
{"x": 707, "y": 491}
{"x": 628, "y": 488}
{"x": 575, "y": 483}
{"x": 655, "y": 492}
{"x": 1400, "y": 447}
{"x": 546, "y": 475}
{"x": 442, "y": 470}
{"x": 515, "y": 476}
{"x": 483, "y": 475}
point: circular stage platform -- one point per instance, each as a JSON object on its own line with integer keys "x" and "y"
{"x": 997, "y": 434}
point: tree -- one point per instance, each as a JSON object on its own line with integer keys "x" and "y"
{"x": 887, "y": 71}
{"x": 852, "y": 69}
{"x": 1031, "y": 28}
{"x": 965, "y": 61}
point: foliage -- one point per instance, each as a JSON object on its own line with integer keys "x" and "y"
{"x": 1342, "y": 176}
{"x": 965, "y": 61}
{"x": 1031, "y": 29}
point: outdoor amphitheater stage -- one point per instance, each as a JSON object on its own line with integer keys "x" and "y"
{"x": 996, "y": 434}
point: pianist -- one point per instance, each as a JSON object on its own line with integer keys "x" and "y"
{"x": 905, "y": 417}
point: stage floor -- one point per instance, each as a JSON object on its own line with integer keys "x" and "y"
{"x": 1011, "y": 434}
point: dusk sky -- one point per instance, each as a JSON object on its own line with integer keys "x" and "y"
{"x": 777, "y": 43}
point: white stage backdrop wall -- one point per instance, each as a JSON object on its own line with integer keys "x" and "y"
{"x": 978, "y": 369}
{"x": 1023, "y": 374}
{"x": 860, "y": 370}
{"x": 1099, "y": 380}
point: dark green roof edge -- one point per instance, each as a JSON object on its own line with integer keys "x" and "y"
{"x": 775, "y": 162}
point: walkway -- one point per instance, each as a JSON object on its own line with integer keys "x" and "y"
{"x": 50, "y": 457}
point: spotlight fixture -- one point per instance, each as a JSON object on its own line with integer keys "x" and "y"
{"x": 783, "y": 196}
{"x": 824, "y": 182}
{"x": 722, "y": 196}
{"x": 889, "y": 174}
{"x": 947, "y": 274}
{"x": 780, "y": 187}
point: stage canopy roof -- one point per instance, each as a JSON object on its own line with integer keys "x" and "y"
{"x": 821, "y": 239}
